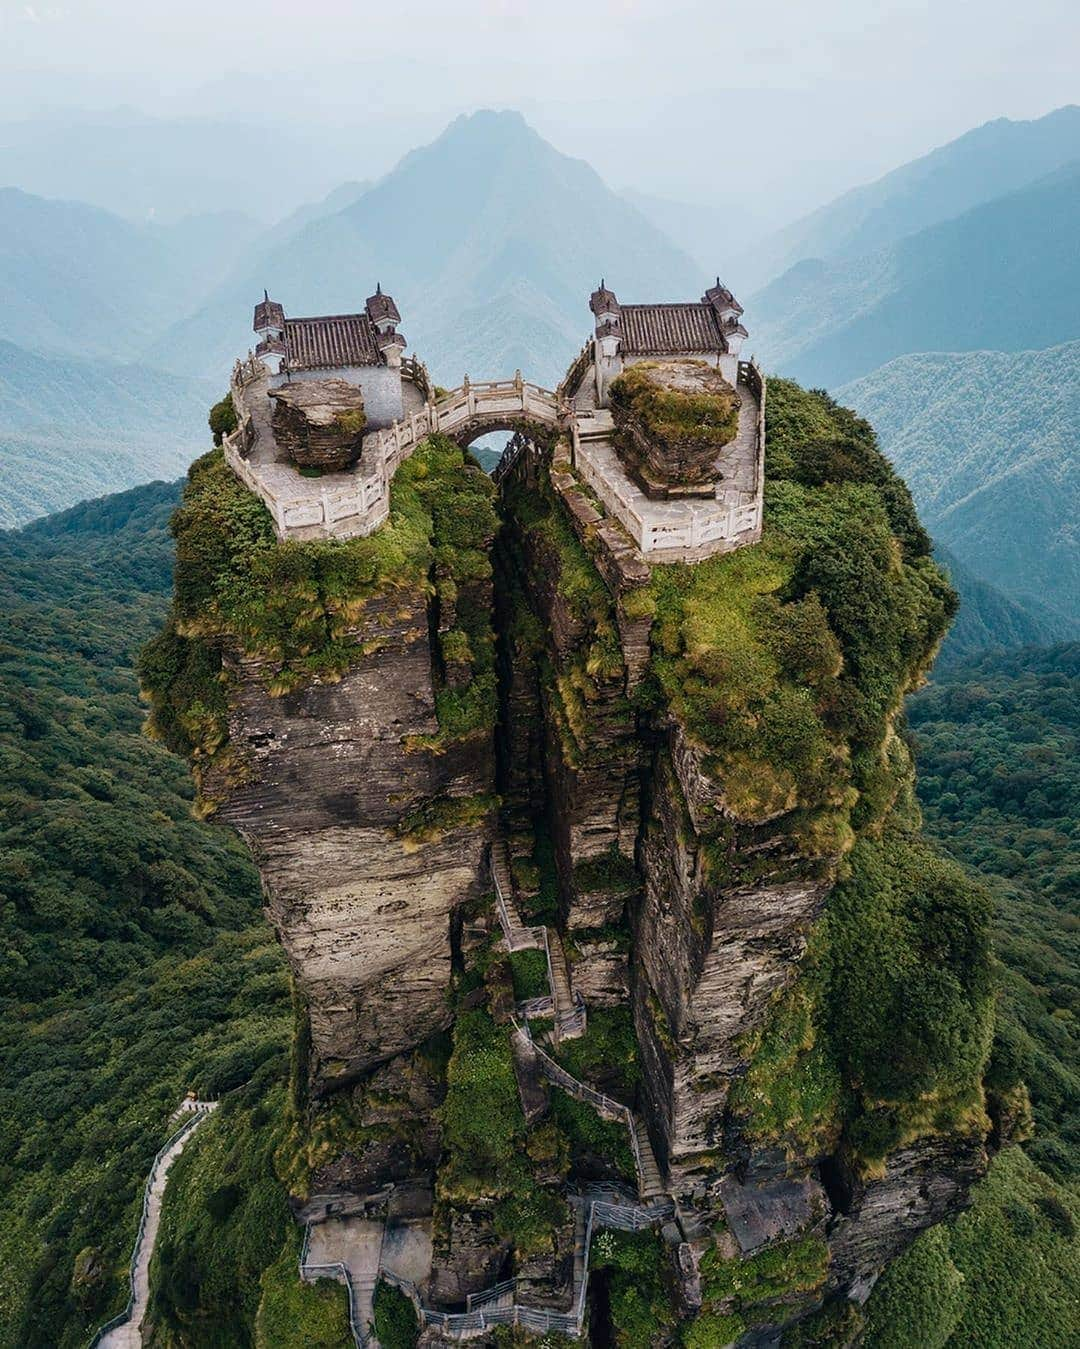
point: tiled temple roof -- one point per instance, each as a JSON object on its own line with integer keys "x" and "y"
{"x": 657, "y": 329}
{"x": 268, "y": 314}
{"x": 330, "y": 341}
{"x": 380, "y": 306}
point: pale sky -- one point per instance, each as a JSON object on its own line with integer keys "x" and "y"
{"x": 705, "y": 101}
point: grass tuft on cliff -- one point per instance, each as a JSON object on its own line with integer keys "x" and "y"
{"x": 300, "y": 606}
{"x": 786, "y": 661}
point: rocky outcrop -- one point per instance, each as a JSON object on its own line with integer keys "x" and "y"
{"x": 319, "y": 423}
{"x": 878, "y": 1218}
{"x": 365, "y": 910}
{"x": 672, "y": 418}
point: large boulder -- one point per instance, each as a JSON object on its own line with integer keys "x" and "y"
{"x": 672, "y": 419}
{"x": 319, "y": 423}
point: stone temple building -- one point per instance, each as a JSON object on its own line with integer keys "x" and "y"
{"x": 364, "y": 349}
{"x": 626, "y": 333}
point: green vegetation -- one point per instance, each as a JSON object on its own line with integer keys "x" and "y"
{"x": 611, "y": 871}
{"x": 792, "y": 1090}
{"x": 487, "y": 1152}
{"x": 529, "y": 972}
{"x": 787, "y": 660}
{"x": 909, "y": 1000}
{"x": 135, "y": 958}
{"x": 673, "y": 414}
{"x": 396, "y": 1323}
{"x": 591, "y": 1138}
{"x": 997, "y": 742}
{"x": 1005, "y": 1273}
{"x": 607, "y": 1053}
{"x": 984, "y": 440}
{"x": 779, "y": 1271}
{"x": 442, "y": 814}
{"x": 222, "y": 419}
{"x": 297, "y": 1315}
{"x": 225, "y": 1222}
{"x": 303, "y": 606}
{"x": 640, "y": 1307}
{"x": 483, "y": 1127}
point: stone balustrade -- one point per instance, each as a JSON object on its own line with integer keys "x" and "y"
{"x": 356, "y": 501}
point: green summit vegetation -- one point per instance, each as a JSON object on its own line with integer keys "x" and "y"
{"x": 786, "y": 661}
{"x": 304, "y": 606}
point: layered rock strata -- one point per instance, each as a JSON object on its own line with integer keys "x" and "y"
{"x": 364, "y": 909}
{"x": 319, "y": 423}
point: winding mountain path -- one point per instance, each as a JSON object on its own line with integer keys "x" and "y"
{"x": 128, "y": 1334}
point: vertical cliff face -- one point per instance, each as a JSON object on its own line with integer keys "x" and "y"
{"x": 339, "y": 705}
{"x": 706, "y": 795}
{"x": 361, "y": 884}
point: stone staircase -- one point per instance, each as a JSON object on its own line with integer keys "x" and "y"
{"x": 569, "y": 1012}
{"x": 650, "y": 1184}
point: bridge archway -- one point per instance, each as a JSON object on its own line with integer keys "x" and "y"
{"x": 506, "y": 414}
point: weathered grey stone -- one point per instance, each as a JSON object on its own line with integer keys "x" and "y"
{"x": 319, "y": 423}
{"x": 364, "y": 913}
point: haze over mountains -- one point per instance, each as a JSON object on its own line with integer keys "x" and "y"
{"x": 490, "y": 241}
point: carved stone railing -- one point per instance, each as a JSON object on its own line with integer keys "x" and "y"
{"x": 571, "y": 381}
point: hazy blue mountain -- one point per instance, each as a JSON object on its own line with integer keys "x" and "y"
{"x": 987, "y": 162}
{"x": 489, "y": 239}
{"x": 1004, "y": 277}
{"x": 717, "y": 238}
{"x": 165, "y": 168}
{"x": 71, "y": 429}
{"x": 76, "y": 279}
{"x": 987, "y": 442}
{"x": 988, "y": 620}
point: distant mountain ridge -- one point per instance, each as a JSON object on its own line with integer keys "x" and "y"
{"x": 77, "y": 280}
{"x": 1004, "y": 276}
{"x": 490, "y": 241}
{"x": 987, "y": 441}
{"x": 71, "y": 429}
{"x": 987, "y": 162}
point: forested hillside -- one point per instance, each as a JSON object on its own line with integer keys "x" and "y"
{"x": 987, "y": 442}
{"x": 135, "y": 961}
{"x": 1001, "y": 277}
{"x": 72, "y": 429}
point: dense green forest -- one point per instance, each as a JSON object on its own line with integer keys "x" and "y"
{"x": 135, "y": 960}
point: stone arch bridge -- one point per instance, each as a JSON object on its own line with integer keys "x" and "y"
{"x": 344, "y": 505}
{"x": 476, "y": 408}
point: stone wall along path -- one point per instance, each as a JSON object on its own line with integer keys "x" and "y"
{"x": 128, "y": 1334}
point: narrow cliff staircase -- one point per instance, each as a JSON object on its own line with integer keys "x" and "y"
{"x": 650, "y": 1185}
{"x": 518, "y": 936}
{"x": 569, "y": 1014}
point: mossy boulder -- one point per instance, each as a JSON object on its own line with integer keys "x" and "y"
{"x": 319, "y": 423}
{"x": 672, "y": 419}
